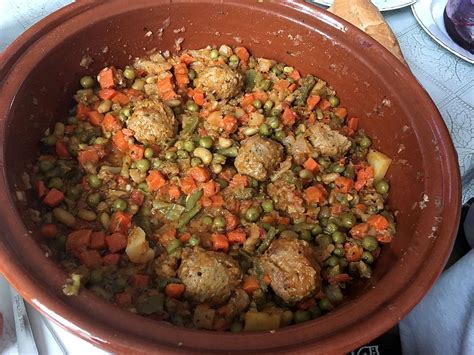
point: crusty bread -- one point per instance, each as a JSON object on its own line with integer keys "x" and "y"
{"x": 364, "y": 15}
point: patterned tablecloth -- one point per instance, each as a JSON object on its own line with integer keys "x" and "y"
{"x": 448, "y": 79}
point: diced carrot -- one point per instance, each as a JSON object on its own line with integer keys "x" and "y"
{"x": 107, "y": 94}
{"x": 384, "y": 238}
{"x": 378, "y": 221}
{"x": 288, "y": 117}
{"x": 353, "y": 251}
{"x": 49, "y": 230}
{"x": 174, "y": 290}
{"x": 116, "y": 242}
{"x": 315, "y": 194}
{"x": 266, "y": 279}
{"x": 110, "y": 123}
{"x": 359, "y": 231}
{"x": 165, "y": 88}
{"x": 229, "y": 124}
{"x": 136, "y": 152}
{"x": 82, "y": 111}
{"x": 198, "y": 97}
{"x": 337, "y": 208}
{"x": 231, "y": 221}
{"x": 281, "y": 84}
{"x": 54, "y": 197}
{"x": 220, "y": 242}
{"x": 107, "y": 78}
{"x": 155, "y": 180}
{"x": 123, "y": 298}
{"x": 41, "y": 189}
{"x": 88, "y": 156}
{"x": 61, "y": 149}
{"x": 363, "y": 175}
{"x": 127, "y": 132}
{"x": 133, "y": 93}
{"x": 324, "y": 104}
{"x": 353, "y": 123}
{"x": 120, "y": 222}
{"x": 292, "y": 87}
{"x": 184, "y": 238}
{"x": 283, "y": 220}
{"x": 250, "y": 285}
{"x": 312, "y": 101}
{"x": 340, "y": 112}
{"x": 237, "y": 236}
{"x": 111, "y": 259}
{"x": 174, "y": 192}
{"x": 91, "y": 258}
{"x": 97, "y": 240}
{"x": 240, "y": 180}
{"x": 311, "y": 118}
{"x": 247, "y": 100}
{"x": 199, "y": 173}
{"x": 140, "y": 280}
{"x": 361, "y": 207}
{"x": 311, "y": 165}
{"x": 188, "y": 185}
{"x": 96, "y": 118}
{"x": 166, "y": 236}
{"x": 242, "y": 53}
{"x": 121, "y": 98}
{"x": 217, "y": 201}
{"x": 344, "y": 184}
{"x": 333, "y": 280}
{"x": 181, "y": 74}
{"x": 79, "y": 240}
{"x": 120, "y": 141}
{"x": 206, "y": 201}
{"x": 210, "y": 188}
{"x": 260, "y": 95}
{"x": 306, "y": 304}
{"x": 295, "y": 75}
{"x": 186, "y": 58}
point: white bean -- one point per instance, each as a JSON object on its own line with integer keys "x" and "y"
{"x": 224, "y": 142}
{"x": 204, "y": 154}
{"x": 86, "y": 215}
{"x": 64, "y": 217}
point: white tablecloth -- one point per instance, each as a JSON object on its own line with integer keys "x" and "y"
{"x": 448, "y": 79}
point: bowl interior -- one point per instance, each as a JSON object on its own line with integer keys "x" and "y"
{"x": 392, "y": 108}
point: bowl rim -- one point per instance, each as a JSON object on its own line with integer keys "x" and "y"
{"x": 47, "y": 303}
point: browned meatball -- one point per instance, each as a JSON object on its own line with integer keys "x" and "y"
{"x": 327, "y": 141}
{"x": 209, "y": 276}
{"x": 292, "y": 268}
{"x": 219, "y": 80}
{"x": 258, "y": 157}
{"x": 152, "y": 122}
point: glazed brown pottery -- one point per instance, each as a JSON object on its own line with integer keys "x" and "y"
{"x": 40, "y": 72}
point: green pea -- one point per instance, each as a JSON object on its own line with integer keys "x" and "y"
{"x": 207, "y": 220}
{"x": 280, "y": 135}
{"x": 325, "y": 305}
{"x": 236, "y": 327}
{"x": 370, "y": 243}
{"x": 219, "y": 222}
{"x": 56, "y": 183}
{"x": 119, "y": 205}
{"x": 205, "y": 142}
{"x": 324, "y": 162}
{"x": 316, "y": 230}
{"x": 268, "y": 105}
{"x": 49, "y": 140}
{"x": 323, "y": 221}
{"x": 339, "y": 252}
{"x": 189, "y": 146}
{"x": 45, "y": 165}
{"x": 367, "y": 257}
{"x": 332, "y": 261}
{"x": 301, "y": 316}
{"x": 192, "y": 74}
{"x": 348, "y": 220}
{"x": 333, "y": 100}
{"x": 276, "y": 69}
{"x": 276, "y": 112}
{"x": 143, "y": 186}
{"x": 192, "y": 106}
{"x": 338, "y": 237}
{"x": 323, "y": 239}
{"x": 194, "y": 240}
{"x": 315, "y": 311}
{"x": 273, "y": 122}
{"x": 252, "y": 214}
{"x": 182, "y": 154}
{"x": 87, "y": 82}
{"x": 364, "y": 142}
{"x": 143, "y": 165}
{"x": 214, "y": 54}
{"x": 337, "y": 168}
{"x": 173, "y": 245}
{"x": 93, "y": 199}
{"x": 306, "y": 174}
{"x": 265, "y": 130}
{"x": 126, "y": 112}
{"x": 267, "y": 206}
{"x": 257, "y": 104}
{"x": 129, "y": 73}
{"x": 196, "y": 162}
{"x": 149, "y": 153}
{"x": 170, "y": 155}
{"x": 343, "y": 262}
{"x": 94, "y": 181}
{"x": 331, "y": 228}
{"x": 305, "y": 235}
{"x": 382, "y": 186}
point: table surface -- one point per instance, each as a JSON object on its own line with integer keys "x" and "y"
{"x": 448, "y": 79}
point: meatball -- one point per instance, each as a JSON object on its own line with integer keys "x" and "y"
{"x": 209, "y": 276}
{"x": 152, "y": 122}
{"x": 219, "y": 80}
{"x": 327, "y": 141}
{"x": 258, "y": 157}
{"x": 292, "y": 268}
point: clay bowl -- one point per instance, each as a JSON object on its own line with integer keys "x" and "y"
{"x": 40, "y": 72}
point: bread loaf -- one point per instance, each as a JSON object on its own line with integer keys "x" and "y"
{"x": 365, "y": 16}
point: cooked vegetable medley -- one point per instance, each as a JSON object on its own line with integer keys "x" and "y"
{"x": 213, "y": 190}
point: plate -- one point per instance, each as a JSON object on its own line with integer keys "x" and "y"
{"x": 382, "y": 5}
{"x": 429, "y": 14}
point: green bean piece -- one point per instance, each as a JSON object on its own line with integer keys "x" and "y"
{"x": 188, "y": 216}
{"x": 250, "y": 76}
{"x": 267, "y": 240}
{"x": 306, "y": 84}
{"x": 193, "y": 198}
{"x": 87, "y": 82}
{"x": 190, "y": 124}
{"x": 228, "y": 152}
{"x": 173, "y": 245}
